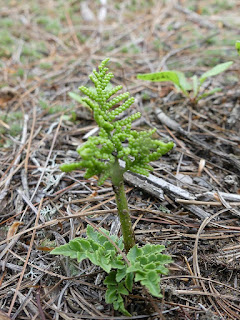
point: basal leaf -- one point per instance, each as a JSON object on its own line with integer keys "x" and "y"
{"x": 184, "y": 84}
{"x": 164, "y": 259}
{"x": 134, "y": 267}
{"x": 129, "y": 281}
{"x": 149, "y": 248}
{"x": 209, "y": 93}
{"x": 91, "y": 233}
{"x": 151, "y": 282}
{"x": 75, "y": 244}
{"x": 216, "y": 70}
{"x": 124, "y": 311}
{"x": 80, "y": 256}
{"x": 118, "y": 263}
{"x": 150, "y": 266}
{"x": 85, "y": 245}
{"x": 162, "y": 270}
{"x": 122, "y": 290}
{"x": 103, "y": 261}
{"x": 133, "y": 253}
{"x": 121, "y": 273}
{"x": 110, "y": 295}
{"x": 65, "y": 250}
{"x": 171, "y": 76}
{"x": 143, "y": 260}
{"x": 111, "y": 279}
{"x": 139, "y": 276}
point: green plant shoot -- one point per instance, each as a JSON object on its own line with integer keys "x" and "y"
{"x": 100, "y": 155}
{"x": 143, "y": 265}
{"x": 191, "y": 88}
{"x": 116, "y": 140}
{"x": 237, "y": 45}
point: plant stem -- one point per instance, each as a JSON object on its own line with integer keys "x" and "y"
{"x": 122, "y": 205}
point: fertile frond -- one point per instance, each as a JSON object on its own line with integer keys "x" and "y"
{"x": 116, "y": 139}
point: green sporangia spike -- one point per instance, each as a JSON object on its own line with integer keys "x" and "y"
{"x": 116, "y": 139}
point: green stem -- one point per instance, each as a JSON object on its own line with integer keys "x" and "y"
{"x": 122, "y": 205}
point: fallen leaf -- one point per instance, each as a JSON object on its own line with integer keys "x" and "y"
{"x": 6, "y": 94}
{"x": 13, "y": 229}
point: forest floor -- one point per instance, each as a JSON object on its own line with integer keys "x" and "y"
{"x": 190, "y": 203}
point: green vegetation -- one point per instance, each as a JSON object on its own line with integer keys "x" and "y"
{"x": 100, "y": 156}
{"x": 142, "y": 265}
{"x": 191, "y": 88}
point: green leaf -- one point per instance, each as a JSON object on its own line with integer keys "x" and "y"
{"x": 118, "y": 263}
{"x": 140, "y": 276}
{"x": 91, "y": 233}
{"x": 124, "y": 311}
{"x": 122, "y": 289}
{"x": 133, "y": 253}
{"x": 184, "y": 85}
{"x": 164, "y": 259}
{"x": 111, "y": 279}
{"x": 64, "y": 250}
{"x": 171, "y": 76}
{"x": 150, "y": 248}
{"x": 129, "y": 281}
{"x": 114, "y": 293}
{"x": 209, "y": 93}
{"x": 162, "y": 270}
{"x": 216, "y": 70}
{"x": 110, "y": 294}
{"x": 151, "y": 282}
{"x": 237, "y": 45}
{"x": 121, "y": 273}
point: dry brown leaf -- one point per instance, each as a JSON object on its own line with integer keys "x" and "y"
{"x": 13, "y": 229}
{"x": 6, "y": 94}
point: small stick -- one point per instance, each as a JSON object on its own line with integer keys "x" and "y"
{"x": 41, "y": 313}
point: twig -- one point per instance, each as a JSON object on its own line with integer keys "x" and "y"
{"x": 205, "y": 203}
{"x": 41, "y": 313}
{"x": 26, "y": 261}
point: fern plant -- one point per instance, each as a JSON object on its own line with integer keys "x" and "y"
{"x": 100, "y": 155}
{"x": 143, "y": 265}
{"x": 116, "y": 140}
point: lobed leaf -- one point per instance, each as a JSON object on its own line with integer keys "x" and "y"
{"x": 147, "y": 263}
{"x": 114, "y": 292}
